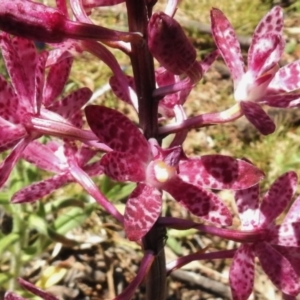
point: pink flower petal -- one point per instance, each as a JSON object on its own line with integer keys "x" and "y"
{"x": 227, "y": 43}
{"x": 10, "y": 134}
{"x": 37, "y": 190}
{"x": 266, "y": 53}
{"x": 54, "y": 84}
{"x": 117, "y": 131}
{"x": 199, "y": 201}
{"x": 142, "y": 210}
{"x": 287, "y": 79}
{"x": 219, "y": 172}
{"x": 71, "y": 104}
{"x": 39, "y": 81}
{"x": 293, "y": 213}
{"x": 241, "y": 274}
{"x": 272, "y": 23}
{"x": 278, "y": 197}
{"x": 257, "y": 116}
{"x": 282, "y": 100}
{"x": 208, "y": 60}
{"x": 169, "y": 44}
{"x": 123, "y": 167}
{"x": 8, "y": 109}
{"x": 121, "y": 89}
{"x": 278, "y": 269}
{"x": 43, "y": 157}
{"x": 292, "y": 254}
{"x": 20, "y": 80}
{"x": 288, "y": 235}
{"x": 247, "y": 202}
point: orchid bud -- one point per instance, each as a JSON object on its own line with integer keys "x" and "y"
{"x": 169, "y": 44}
{"x": 36, "y": 21}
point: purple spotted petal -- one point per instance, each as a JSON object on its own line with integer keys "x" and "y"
{"x": 169, "y": 44}
{"x": 199, "y": 201}
{"x": 123, "y": 167}
{"x": 117, "y": 131}
{"x": 257, "y": 116}
{"x": 9, "y": 110}
{"x": 142, "y": 210}
{"x": 278, "y": 269}
{"x": 272, "y": 23}
{"x": 10, "y": 134}
{"x": 43, "y": 157}
{"x": 54, "y": 84}
{"x": 35, "y": 290}
{"x": 266, "y": 53}
{"x": 39, "y": 81}
{"x": 227, "y": 43}
{"x": 71, "y": 104}
{"x": 208, "y": 60}
{"x": 288, "y": 235}
{"x": 287, "y": 79}
{"x": 40, "y": 189}
{"x": 10, "y": 161}
{"x": 247, "y": 202}
{"x": 20, "y": 80}
{"x": 122, "y": 89}
{"x": 282, "y": 100}
{"x": 219, "y": 172}
{"x": 292, "y": 254}
{"x": 278, "y": 197}
{"x": 241, "y": 274}
{"x": 293, "y": 213}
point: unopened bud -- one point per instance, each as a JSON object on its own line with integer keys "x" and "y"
{"x": 169, "y": 44}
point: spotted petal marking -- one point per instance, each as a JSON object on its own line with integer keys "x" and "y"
{"x": 117, "y": 131}
{"x": 258, "y": 117}
{"x": 40, "y": 189}
{"x": 278, "y": 269}
{"x": 287, "y": 78}
{"x": 43, "y": 157}
{"x": 219, "y": 172}
{"x": 142, "y": 210}
{"x": 271, "y": 23}
{"x": 266, "y": 53}
{"x": 278, "y": 197}
{"x": 20, "y": 79}
{"x": 71, "y": 104}
{"x": 54, "y": 84}
{"x": 227, "y": 43}
{"x": 199, "y": 201}
{"x": 282, "y": 100}
{"x": 288, "y": 235}
{"x": 247, "y": 202}
{"x": 123, "y": 167}
{"x": 241, "y": 274}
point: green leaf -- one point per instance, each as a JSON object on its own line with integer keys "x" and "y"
{"x": 8, "y": 241}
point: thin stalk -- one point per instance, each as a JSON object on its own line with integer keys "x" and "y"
{"x": 143, "y": 70}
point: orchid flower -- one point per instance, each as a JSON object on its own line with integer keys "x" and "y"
{"x": 256, "y": 217}
{"x": 263, "y": 82}
{"x": 70, "y": 164}
{"x": 154, "y": 169}
{"x": 31, "y": 110}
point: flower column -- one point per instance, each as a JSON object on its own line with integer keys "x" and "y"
{"x": 139, "y": 13}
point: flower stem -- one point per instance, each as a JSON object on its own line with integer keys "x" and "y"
{"x": 143, "y": 70}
